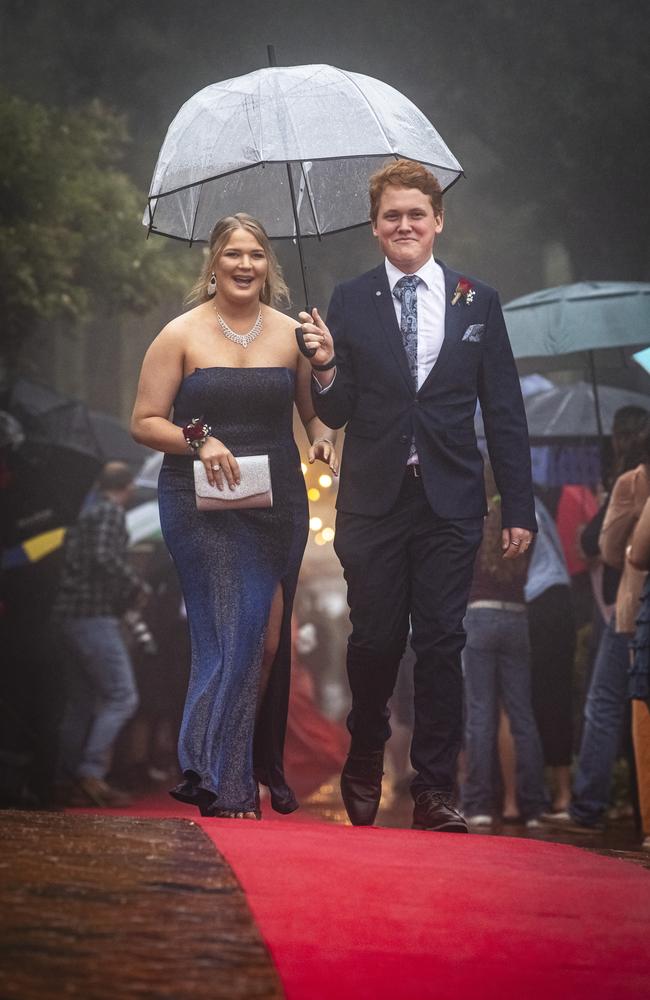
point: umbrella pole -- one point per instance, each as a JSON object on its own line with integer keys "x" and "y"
{"x": 270, "y": 49}
{"x": 303, "y": 270}
{"x": 599, "y": 421}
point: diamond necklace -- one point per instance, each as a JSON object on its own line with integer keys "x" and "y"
{"x": 243, "y": 339}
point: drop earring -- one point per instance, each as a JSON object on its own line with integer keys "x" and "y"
{"x": 212, "y": 285}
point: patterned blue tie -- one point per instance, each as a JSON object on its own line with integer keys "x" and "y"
{"x": 406, "y": 291}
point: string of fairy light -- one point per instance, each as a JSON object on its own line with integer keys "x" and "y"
{"x": 322, "y": 533}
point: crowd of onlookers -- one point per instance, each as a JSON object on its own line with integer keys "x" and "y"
{"x": 555, "y": 666}
{"x": 521, "y": 652}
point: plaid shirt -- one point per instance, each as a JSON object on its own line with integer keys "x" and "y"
{"x": 96, "y": 579}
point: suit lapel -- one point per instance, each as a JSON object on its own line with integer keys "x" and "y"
{"x": 382, "y": 298}
{"x": 453, "y": 324}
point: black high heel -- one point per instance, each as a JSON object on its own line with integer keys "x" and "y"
{"x": 190, "y": 792}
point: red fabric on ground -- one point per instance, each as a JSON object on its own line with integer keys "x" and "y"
{"x": 382, "y": 914}
{"x": 376, "y": 913}
{"x": 315, "y": 747}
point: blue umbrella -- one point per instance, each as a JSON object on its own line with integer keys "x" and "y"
{"x": 582, "y": 317}
{"x": 572, "y": 322}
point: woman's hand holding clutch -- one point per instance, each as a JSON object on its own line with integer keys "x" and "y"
{"x": 220, "y": 464}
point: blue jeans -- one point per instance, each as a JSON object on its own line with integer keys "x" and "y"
{"x": 496, "y": 666}
{"x": 101, "y": 695}
{"x": 604, "y": 714}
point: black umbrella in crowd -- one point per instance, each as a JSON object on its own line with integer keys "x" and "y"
{"x": 47, "y": 477}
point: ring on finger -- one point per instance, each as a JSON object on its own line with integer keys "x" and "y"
{"x": 215, "y": 468}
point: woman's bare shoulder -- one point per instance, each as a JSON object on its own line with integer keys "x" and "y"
{"x": 180, "y": 328}
{"x": 278, "y": 319}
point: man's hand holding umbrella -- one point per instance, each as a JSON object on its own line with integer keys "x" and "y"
{"x": 316, "y": 337}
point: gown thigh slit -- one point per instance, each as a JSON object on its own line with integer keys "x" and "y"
{"x": 230, "y": 564}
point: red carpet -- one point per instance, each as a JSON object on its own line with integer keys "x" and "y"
{"x": 401, "y": 914}
{"x": 358, "y": 913}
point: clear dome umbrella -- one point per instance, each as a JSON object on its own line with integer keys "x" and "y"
{"x": 293, "y": 146}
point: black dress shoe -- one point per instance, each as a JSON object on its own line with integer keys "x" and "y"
{"x": 435, "y": 811}
{"x": 361, "y": 786}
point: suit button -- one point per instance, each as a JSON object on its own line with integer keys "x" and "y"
{"x": 403, "y": 438}
{"x": 415, "y": 401}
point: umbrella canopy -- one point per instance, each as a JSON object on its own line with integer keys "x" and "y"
{"x": 573, "y": 324}
{"x": 115, "y": 441}
{"x": 49, "y": 475}
{"x": 228, "y": 148}
{"x": 583, "y": 317}
{"x": 568, "y": 412}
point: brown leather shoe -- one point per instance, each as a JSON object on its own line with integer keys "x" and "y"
{"x": 103, "y": 795}
{"x": 435, "y": 811}
{"x": 361, "y": 786}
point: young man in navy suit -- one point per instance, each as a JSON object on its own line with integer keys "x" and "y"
{"x": 407, "y": 350}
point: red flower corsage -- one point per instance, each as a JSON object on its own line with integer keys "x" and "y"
{"x": 196, "y": 433}
{"x": 464, "y": 290}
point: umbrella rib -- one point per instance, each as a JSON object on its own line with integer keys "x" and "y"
{"x": 369, "y": 106}
{"x": 296, "y": 134}
{"x": 310, "y": 197}
{"x": 196, "y": 212}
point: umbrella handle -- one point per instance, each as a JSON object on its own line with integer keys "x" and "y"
{"x": 302, "y": 347}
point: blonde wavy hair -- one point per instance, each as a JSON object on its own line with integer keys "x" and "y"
{"x": 274, "y": 293}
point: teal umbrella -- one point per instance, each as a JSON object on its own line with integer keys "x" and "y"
{"x": 573, "y": 322}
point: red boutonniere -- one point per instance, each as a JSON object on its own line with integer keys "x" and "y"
{"x": 464, "y": 290}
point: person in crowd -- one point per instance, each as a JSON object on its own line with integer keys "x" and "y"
{"x": 606, "y": 701}
{"x": 638, "y": 557}
{"x": 97, "y": 586}
{"x": 407, "y": 350}
{"x": 628, "y": 420}
{"x": 576, "y": 506}
{"x": 552, "y": 630}
{"x": 230, "y": 370}
{"x": 496, "y": 669}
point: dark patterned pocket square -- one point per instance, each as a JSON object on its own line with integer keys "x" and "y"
{"x": 474, "y": 333}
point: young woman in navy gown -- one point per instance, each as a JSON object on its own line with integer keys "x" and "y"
{"x": 229, "y": 371}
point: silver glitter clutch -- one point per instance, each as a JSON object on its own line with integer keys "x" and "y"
{"x": 254, "y": 489}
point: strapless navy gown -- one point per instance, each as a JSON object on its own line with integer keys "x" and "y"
{"x": 230, "y": 564}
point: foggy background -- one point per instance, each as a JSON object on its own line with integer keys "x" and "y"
{"x": 544, "y": 104}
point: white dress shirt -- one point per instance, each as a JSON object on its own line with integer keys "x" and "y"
{"x": 431, "y": 312}
{"x": 431, "y": 317}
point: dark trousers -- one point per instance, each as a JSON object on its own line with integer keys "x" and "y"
{"x": 408, "y": 564}
{"x": 552, "y": 628}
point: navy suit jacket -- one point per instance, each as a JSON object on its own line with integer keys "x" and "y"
{"x": 373, "y": 395}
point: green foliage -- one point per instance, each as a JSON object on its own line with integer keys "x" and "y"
{"x": 72, "y": 246}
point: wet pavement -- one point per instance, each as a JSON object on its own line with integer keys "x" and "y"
{"x": 619, "y": 839}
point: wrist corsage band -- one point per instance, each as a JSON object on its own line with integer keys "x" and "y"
{"x": 196, "y": 433}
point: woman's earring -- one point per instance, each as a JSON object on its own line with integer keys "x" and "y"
{"x": 212, "y": 285}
